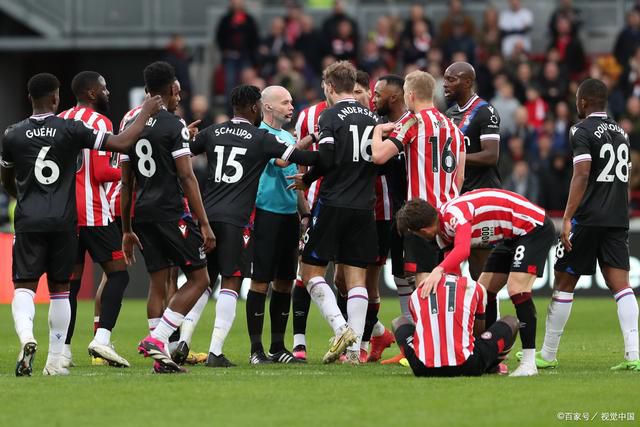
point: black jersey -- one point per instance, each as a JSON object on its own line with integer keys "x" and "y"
{"x": 237, "y": 153}
{"x": 346, "y": 129}
{"x": 159, "y": 196}
{"x": 44, "y": 150}
{"x": 477, "y": 120}
{"x": 602, "y": 141}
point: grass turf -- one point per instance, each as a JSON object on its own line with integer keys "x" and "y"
{"x": 312, "y": 394}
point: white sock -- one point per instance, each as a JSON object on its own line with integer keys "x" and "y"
{"x": 23, "y": 310}
{"x": 378, "y": 329}
{"x": 225, "y": 314}
{"x": 59, "y": 318}
{"x": 171, "y": 320}
{"x": 364, "y": 345}
{"x": 299, "y": 339}
{"x": 153, "y": 323}
{"x": 67, "y": 350}
{"x": 103, "y": 336}
{"x": 628, "y": 318}
{"x": 557, "y": 315}
{"x": 357, "y": 303}
{"x": 405, "y": 289}
{"x": 324, "y": 298}
{"x": 193, "y": 317}
{"x": 528, "y": 356}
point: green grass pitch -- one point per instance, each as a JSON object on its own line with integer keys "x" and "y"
{"x": 314, "y": 394}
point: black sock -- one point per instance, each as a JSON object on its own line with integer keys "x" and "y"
{"x": 300, "y": 301}
{"x": 255, "y": 319}
{"x": 491, "y": 312}
{"x": 279, "y": 313}
{"x": 370, "y": 321}
{"x": 342, "y": 305}
{"x": 112, "y": 295}
{"x": 526, "y": 312}
{"x": 74, "y": 288}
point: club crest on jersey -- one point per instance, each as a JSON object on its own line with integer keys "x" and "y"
{"x": 185, "y": 134}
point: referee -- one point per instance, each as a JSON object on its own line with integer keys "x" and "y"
{"x": 275, "y": 238}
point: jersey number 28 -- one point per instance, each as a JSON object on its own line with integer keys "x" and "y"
{"x": 618, "y": 158}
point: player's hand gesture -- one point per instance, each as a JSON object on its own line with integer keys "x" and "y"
{"x": 193, "y": 128}
{"x": 566, "y": 232}
{"x": 129, "y": 239}
{"x": 209, "y": 239}
{"x": 429, "y": 284}
{"x": 386, "y": 128}
{"x": 151, "y": 106}
{"x": 298, "y": 183}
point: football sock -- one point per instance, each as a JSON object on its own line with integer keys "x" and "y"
{"x": 279, "y": 313}
{"x": 342, "y": 304}
{"x": 102, "y": 336}
{"x": 357, "y": 304}
{"x": 96, "y": 324}
{"x": 225, "y": 314}
{"x": 255, "y": 319}
{"x": 324, "y": 298}
{"x": 170, "y": 321}
{"x": 558, "y": 313}
{"x": 59, "y": 317}
{"x": 153, "y": 323}
{"x": 491, "y": 311}
{"x": 378, "y": 329}
{"x": 628, "y": 318}
{"x": 405, "y": 289}
{"x": 300, "y": 304}
{"x": 74, "y": 288}
{"x": 112, "y": 295}
{"x": 23, "y": 310}
{"x": 526, "y": 312}
{"x": 371, "y": 319}
{"x": 192, "y": 318}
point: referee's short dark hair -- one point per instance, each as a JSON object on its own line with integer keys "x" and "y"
{"x": 158, "y": 76}
{"x": 244, "y": 96}
{"x": 393, "y": 80}
{"x": 83, "y": 81}
{"x": 415, "y": 215}
{"x": 42, "y": 84}
{"x": 594, "y": 91}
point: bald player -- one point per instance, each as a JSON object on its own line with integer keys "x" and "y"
{"x": 275, "y": 237}
{"x": 480, "y": 124}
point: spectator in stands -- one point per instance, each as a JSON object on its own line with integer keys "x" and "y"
{"x": 249, "y": 76}
{"x": 415, "y": 50}
{"x": 237, "y": 38}
{"x": 630, "y": 79}
{"x": 200, "y": 111}
{"x": 385, "y": 40}
{"x": 523, "y": 78}
{"x": 523, "y": 182}
{"x": 555, "y": 181}
{"x": 272, "y": 47}
{"x": 305, "y": 70}
{"x": 416, "y": 14}
{"x": 539, "y": 158}
{"x": 515, "y": 24}
{"x": 287, "y": 77}
{"x": 344, "y": 45}
{"x": 631, "y": 124}
{"x": 176, "y": 55}
{"x": 506, "y": 105}
{"x": 460, "y": 41}
{"x": 457, "y": 17}
{"x": 553, "y": 84}
{"x": 561, "y": 126}
{"x": 512, "y": 153}
{"x": 565, "y": 10}
{"x": 537, "y": 108}
{"x": 628, "y": 39}
{"x": 293, "y": 22}
{"x": 486, "y": 74}
{"x": 525, "y": 131}
{"x": 489, "y": 39}
{"x": 331, "y": 25}
{"x": 311, "y": 44}
{"x": 371, "y": 57}
{"x": 569, "y": 48}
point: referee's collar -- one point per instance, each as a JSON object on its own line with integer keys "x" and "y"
{"x": 599, "y": 114}
{"x": 41, "y": 116}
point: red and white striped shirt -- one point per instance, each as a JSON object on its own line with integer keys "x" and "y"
{"x": 482, "y": 218}
{"x": 434, "y": 146}
{"x": 444, "y": 321}
{"x": 94, "y": 173}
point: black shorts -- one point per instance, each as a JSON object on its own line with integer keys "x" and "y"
{"x": 420, "y": 255}
{"x": 526, "y": 254}
{"x": 275, "y": 246}
{"x": 103, "y": 243}
{"x": 44, "y": 252}
{"x": 343, "y": 235}
{"x": 384, "y": 241}
{"x": 608, "y": 245}
{"x": 397, "y": 251}
{"x": 232, "y": 254}
{"x": 486, "y": 349}
{"x": 171, "y": 243}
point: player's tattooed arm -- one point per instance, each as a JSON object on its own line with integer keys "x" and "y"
{"x": 125, "y": 139}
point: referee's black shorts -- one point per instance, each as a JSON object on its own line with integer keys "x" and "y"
{"x": 275, "y": 246}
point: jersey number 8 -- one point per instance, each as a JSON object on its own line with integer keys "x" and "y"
{"x": 146, "y": 164}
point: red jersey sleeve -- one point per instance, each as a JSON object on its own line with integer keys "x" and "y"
{"x": 405, "y": 131}
{"x": 102, "y": 169}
